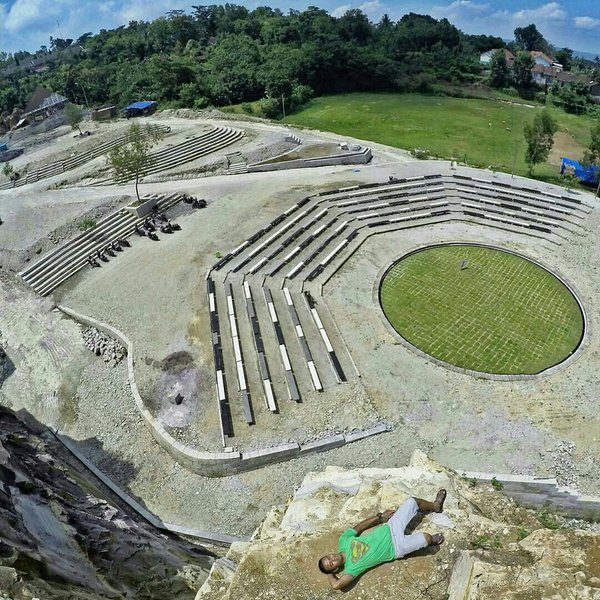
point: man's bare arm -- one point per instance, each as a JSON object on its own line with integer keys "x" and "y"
{"x": 367, "y": 524}
{"x": 339, "y": 583}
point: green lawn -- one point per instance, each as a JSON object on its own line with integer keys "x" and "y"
{"x": 501, "y": 314}
{"x": 476, "y": 131}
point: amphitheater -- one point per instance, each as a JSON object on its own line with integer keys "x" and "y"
{"x": 263, "y": 314}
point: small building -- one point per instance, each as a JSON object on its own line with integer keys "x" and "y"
{"x": 486, "y": 57}
{"x": 43, "y": 103}
{"x": 542, "y": 59}
{"x": 543, "y": 75}
{"x": 569, "y": 77}
{"x": 139, "y": 109}
{"x": 104, "y": 112}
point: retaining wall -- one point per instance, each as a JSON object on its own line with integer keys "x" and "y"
{"x": 536, "y": 493}
{"x": 216, "y": 464}
{"x": 353, "y": 158}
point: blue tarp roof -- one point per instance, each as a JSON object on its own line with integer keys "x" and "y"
{"x": 140, "y": 105}
{"x": 587, "y": 174}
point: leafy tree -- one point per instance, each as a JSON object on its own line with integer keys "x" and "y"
{"x": 499, "y": 75}
{"x": 594, "y": 146}
{"x": 565, "y": 57}
{"x": 132, "y": 159}
{"x": 539, "y": 136}
{"x": 529, "y": 38}
{"x": 74, "y": 115}
{"x": 573, "y": 98}
{"x": 355, "y": 26}
{"x": 7, "y": 169}
{"x": 522, "y": 65}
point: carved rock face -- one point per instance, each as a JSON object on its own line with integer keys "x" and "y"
{"x": 60, "y": 539}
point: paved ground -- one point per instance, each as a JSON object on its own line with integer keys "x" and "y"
{"x": 155, "y": 293}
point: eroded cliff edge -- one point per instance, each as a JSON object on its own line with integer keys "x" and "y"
{"x": 63, "y": 537}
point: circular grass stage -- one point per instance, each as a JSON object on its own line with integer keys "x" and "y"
{"x": 482, "y": 309}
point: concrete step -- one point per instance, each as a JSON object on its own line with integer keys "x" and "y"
{"x": 190, "y": 150}
{"x": 56, "y": 267}
{"x": 58, "y": 167}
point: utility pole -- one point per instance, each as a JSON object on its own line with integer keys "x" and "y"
{"x": 84, "y": 95}
{"x": 283, "y": 105}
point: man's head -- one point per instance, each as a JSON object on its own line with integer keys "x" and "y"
{"x": 331, "y": 563}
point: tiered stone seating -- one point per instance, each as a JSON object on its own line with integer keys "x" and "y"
{"x": 236, "y": 164}
{"x": 259, "y": 346}
{"x": 189, "y": 150}
{"x": 306, "y": 244}
{"x": 239, "y": 360}
{"x": 292, "y": 385}
{"x": 310, "y": 363}
{"x": 61, "y": 263}
{"x": 61, "y": 166}
{"x": 222, "y": 398}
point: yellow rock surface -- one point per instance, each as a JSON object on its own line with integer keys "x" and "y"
{"x": 493, "y": 549}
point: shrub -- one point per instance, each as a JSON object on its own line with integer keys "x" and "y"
{"x": 87, "y": 224}
{"x": 247, "y": 108}
{"x": 522, "y": 533}
{"x": 497, "y": 485}
{"x": 420, "y": 153}
{"x": 270, "y": 108}
{"x": 301, "y": 94}
{"x": 547, "y": 519}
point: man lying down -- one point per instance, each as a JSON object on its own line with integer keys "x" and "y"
{"x": 358, "y": 551}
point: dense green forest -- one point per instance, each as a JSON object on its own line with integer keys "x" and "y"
{"x": 219, "y": 55}
{"x": 225, "y": 54}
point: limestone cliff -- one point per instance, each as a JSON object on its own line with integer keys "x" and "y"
{"x": 493, "y": 550}
{"x": 60, "y": 539}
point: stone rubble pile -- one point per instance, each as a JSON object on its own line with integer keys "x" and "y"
{"x": 100, "y": 344}
{"x": 564, "y": 467}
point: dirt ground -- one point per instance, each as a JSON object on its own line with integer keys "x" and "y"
{"x": 155, "y": 293}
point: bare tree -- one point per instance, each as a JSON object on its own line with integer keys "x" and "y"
{"x": 132, "y": 159}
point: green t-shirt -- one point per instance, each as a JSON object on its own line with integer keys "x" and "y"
{"x": 366, "y": 551}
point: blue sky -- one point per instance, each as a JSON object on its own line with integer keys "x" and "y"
{"x": 27, "y": 24}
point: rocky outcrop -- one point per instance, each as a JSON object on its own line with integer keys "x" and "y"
{"x": 61, "y": 539}
{"x": 493, "y": 550}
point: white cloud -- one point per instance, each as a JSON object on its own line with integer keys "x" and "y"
{"x": 340, "y": 11}
{"x": 551, "y": 10}
{"x": 25, "y": 14}
{"x": 459, "y": 9}
{"x": 586, "y": 22}
{"x": 371, "y": 7}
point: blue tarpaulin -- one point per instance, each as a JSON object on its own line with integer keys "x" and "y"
{"x": 140, "y": 105}
{"x": 585, "y": 174}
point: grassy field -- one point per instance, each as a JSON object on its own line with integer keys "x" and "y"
{"x": 501, "y": 314}
{"x": 476, "y": 131}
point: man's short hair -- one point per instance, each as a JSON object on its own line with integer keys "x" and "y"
{"x": 322, "y": 567}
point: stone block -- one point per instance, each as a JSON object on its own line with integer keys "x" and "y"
{"x": 328, "y": 443}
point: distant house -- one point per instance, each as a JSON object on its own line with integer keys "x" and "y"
{"x": 568, "y": 77}
{"x": 542, "y": 59}
{"x": 104, "y": 112}
{"x": 43, "y": 103}
{"x": 486, "y": 57}
{"x": 139, "y": 109}
{"x": 544, "y": 75}
{"x": 595, "y": 91}
{"x": 40, "y": 63}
